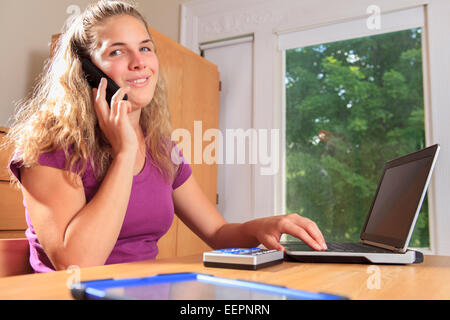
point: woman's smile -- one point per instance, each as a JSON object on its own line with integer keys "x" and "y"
{"x": 139, "y": 82}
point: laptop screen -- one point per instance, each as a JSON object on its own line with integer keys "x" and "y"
{"x": 398, "y": 198}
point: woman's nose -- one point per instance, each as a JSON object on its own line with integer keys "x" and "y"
{"x": 137, "y": 62}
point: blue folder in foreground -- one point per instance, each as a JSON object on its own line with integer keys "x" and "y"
{"x": 189, "y": 286}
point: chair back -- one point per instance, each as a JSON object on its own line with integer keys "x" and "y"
{"x": 14, "y": 257}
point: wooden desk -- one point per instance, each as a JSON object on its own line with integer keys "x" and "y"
{"x": 429, "y": 280}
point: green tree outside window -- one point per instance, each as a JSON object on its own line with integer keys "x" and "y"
{"x": 350, "y": 106}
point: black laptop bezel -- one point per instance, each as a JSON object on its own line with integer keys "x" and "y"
{"x": 394, "y": 243}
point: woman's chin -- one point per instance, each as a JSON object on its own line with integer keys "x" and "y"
{"x": 139, "y": 103}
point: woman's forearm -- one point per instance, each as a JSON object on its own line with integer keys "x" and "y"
{"x": 93, "y": 232}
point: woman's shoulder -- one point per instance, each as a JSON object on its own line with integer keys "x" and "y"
{"x": 55, "y": 159}
{"x": 58, "y": 158}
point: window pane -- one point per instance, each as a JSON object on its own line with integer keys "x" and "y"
{"x": 350, "y": 106}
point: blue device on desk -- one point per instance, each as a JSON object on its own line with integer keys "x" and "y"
{"x": 189, "y": 286}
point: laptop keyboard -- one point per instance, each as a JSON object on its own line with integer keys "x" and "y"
{"x": 338, "y": 247}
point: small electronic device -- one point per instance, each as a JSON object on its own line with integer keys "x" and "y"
{"x": 240, "y": 258}
{"x": 93, "y": 76}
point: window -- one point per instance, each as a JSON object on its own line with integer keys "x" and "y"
{"x": 278, "y": 27}
{"x": 350, "y": 106}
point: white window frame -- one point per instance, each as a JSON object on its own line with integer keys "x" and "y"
{"x": 211, "y": 20}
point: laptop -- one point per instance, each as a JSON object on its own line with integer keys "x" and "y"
{"x": 392, "y": 216}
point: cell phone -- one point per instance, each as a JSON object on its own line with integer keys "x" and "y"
{"x": 93, "y": 76}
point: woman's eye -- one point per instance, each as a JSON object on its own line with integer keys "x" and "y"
{"x": 146, "y": 49}
{"x": 115, "y": 53}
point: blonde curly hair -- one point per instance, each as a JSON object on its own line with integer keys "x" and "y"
{"x": 60, "y": 113}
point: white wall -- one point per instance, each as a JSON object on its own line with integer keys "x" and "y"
{"x": 25, "y": 30}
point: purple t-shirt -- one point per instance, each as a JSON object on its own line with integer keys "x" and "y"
{"x": 149, "y": 214}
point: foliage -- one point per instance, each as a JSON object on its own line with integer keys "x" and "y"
{"x": 351, "y": 106}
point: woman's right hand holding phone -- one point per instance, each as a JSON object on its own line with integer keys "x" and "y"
{"x": 114, "y": 121}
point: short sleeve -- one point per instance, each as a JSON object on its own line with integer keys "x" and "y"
{"x": 183, "y": 173}
{"x": 15, "y": 164}
{"x": 56, "y": 159}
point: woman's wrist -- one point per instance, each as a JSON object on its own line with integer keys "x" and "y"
{"x": 125, "y": 160}
{"x": 126, "y": 155}
{"x": 250, "y": 229}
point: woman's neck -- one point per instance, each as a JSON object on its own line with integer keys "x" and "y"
{"x": 135, "y": 117}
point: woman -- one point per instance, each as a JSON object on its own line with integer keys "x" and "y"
{"x": 99, "y": 185}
